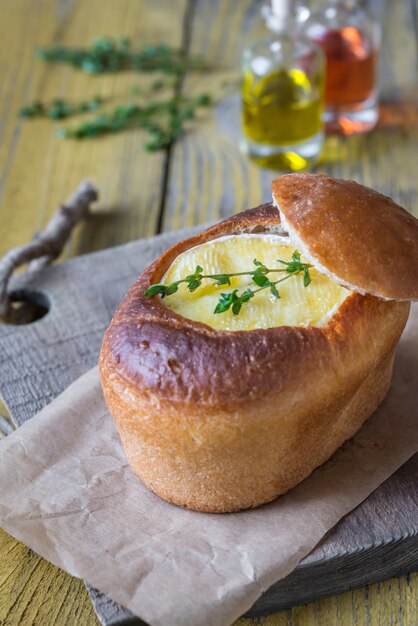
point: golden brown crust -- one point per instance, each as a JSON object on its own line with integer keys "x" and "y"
{"x": 226, "y": 461}
{"x": 361, "y": 237}
{"x": 186, "y": 361}
{"x": 166, "y": 353}
{"x": 220, "y": 421}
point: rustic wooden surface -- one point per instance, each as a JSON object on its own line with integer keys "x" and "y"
{"x": 201, "y": 178}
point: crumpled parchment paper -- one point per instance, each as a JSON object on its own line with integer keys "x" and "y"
{"x": 68, "y": 493}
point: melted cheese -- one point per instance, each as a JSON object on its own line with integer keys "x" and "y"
{"x": 298, "y": 305}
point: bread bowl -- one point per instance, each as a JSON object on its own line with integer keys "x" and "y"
{"x": 223, "y": 419}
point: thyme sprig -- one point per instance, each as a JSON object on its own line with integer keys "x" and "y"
{"x": 113, "y": 55}
{"x": 59, "y": 108}
{"x": 164, "y": 120}
{"x": 234, "y": 300}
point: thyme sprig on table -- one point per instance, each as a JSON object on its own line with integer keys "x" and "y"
{"x": 59, "y": 108}
{"x": 113, "y": 55}
{"x": 164, "y": 120}
{"x": 234, "y": 300}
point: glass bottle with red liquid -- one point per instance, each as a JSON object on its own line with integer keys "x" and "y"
{"x": 350, "y": 40}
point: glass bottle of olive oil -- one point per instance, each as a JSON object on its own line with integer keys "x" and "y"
{"x": 282, "y": 95}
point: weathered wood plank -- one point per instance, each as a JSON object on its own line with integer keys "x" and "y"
{"x": 37, "y": 361}
{"x": 35, "y": 592}
{"x": 38, "y": 169}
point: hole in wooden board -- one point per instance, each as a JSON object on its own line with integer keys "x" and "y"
{"x": 26, "y": 307}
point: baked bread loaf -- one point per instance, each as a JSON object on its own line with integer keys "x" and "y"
{"x": 220, "y": 420}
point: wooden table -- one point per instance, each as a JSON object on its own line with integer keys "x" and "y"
{"x": 202, "y": 178}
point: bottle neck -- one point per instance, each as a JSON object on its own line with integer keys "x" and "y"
{"x": 281, "y": 18}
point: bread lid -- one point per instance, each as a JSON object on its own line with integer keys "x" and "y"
{"x": 360, "y": 238}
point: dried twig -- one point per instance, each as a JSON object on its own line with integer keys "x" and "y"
{"x": 48, "y": 245}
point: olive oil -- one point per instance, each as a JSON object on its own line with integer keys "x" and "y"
{"x": 282, "y": 95}
{"x": 282, "y": 107}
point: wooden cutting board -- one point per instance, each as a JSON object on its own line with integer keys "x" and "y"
{"x": 377, "y": 540}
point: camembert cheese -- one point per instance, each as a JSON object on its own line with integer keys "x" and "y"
{"x": 297, "y": 306}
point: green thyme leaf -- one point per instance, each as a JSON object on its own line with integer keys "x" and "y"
{"x": 204, "y": 100}
{"x": 222, "y": 279}
{"x": 274, "y": 291}
{"x": 154, "y": 290}
{"x": 193, "y": 285}
{"x": 236, "y": 308}
{"x": 260, "y": 266}
{"x": 260, "y": 279}
{"x": 35, "y": 109}
{"x": 170, "y": 289}
{"x": 225, "y": 301}
{"x": 246, "y": 295}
